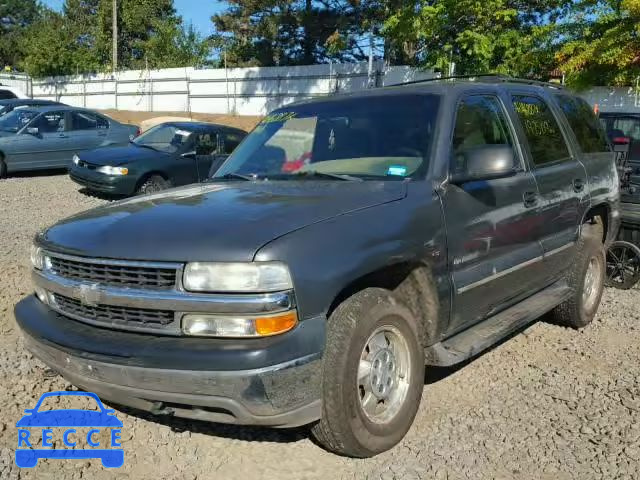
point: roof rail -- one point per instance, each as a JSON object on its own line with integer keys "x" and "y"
{"x": 485, "y": 77}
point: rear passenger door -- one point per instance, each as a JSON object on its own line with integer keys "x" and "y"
{"x": 83, "y": 129}
{"x": 494, "y": 254}
{"x": 560, "y": 176}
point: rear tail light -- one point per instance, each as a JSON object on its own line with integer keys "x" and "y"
{"x": 621, "y": 140}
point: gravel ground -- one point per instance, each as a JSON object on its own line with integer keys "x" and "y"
{"x": 550, "y": 403}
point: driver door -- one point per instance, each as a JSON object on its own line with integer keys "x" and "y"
{"x": 494, "y": 254}
{"x": 207, "y": 146}
{"x": 46, "y": 149}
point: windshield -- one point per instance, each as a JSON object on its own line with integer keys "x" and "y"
{"x": 385, "y": 137}
{"x": 165, "y": 138}
{"x": 16, "y": 119}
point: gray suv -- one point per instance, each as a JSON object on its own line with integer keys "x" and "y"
{"x": 347, "y": 243}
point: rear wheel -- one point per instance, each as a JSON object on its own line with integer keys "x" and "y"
{"x": 153, "y": 184}
{"x": 586, "y": 279}
{"x": 373, "y": 375}
{"x": 623, "y": 265}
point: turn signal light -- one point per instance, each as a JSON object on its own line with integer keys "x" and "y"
{"x": 276, "y": 324}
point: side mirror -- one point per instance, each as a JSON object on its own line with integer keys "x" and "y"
{"x": 486, "y": 162}
{"x": 33, "y": 131}
{"x": 190, "y": 155}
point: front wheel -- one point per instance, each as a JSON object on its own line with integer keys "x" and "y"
{"x": 153, "y": 184}
{"x": 373, "y": 375}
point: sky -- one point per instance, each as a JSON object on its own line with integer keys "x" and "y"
{"x": 196, "y": 12}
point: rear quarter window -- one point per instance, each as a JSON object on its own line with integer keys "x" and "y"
{"x": 588, "y": 132}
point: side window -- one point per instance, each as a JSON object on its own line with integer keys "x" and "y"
{"x": 6, "y": 95}
{"x": 545, "y": 138}
{"x": 49, "y": 122}
{"x": 480, "y": 121}
{"x": 206, "y": 143}
{"x": 102, "y": 123}
{"x": 588, "y": 131}
{"x": 83, "y": 121}
{"x": 231, "y": 141}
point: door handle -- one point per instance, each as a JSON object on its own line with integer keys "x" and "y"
{"x": 530, "y": 199}
{"x": 578, "y": 185}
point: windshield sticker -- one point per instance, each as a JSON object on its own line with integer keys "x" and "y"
{"x": 183, "y": 133}
{"x": 397, "y": 170}
{"x": 278, "y": 117}
{"x": 534, "y": 119}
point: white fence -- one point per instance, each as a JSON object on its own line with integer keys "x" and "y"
{"x": 246, "y": 91}
{"x": 611, "y": 99}
{"x": 17, "y": 80}
{"x": 243, "y": 91}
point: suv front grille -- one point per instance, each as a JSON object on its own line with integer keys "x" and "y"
{"x": 116, "y": 274}
{"x": 110, "y": 315}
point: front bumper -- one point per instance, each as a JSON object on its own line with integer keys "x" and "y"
{"x": 99, "y": 182}
{"x": 272, "y": 381}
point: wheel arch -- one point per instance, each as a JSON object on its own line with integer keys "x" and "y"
{"x": 600, "y": 214}
{"x": 147, "y": 175}
{"x": 412, "y": 283}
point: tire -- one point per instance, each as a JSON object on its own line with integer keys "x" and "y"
{"x": 353, "y": 337}
{"x": 152, "y": 184}
{"x": 623, "y": 265}
{"x": 3, "y": 168}
{"x": 578, "y": 311}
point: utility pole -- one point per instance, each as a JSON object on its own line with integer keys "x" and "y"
{"x": 114, "y": 33}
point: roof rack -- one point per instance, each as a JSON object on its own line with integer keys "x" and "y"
{"x": 485, "y": 77}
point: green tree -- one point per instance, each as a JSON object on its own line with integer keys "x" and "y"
{"x": 293, "y": 32}
{"x": 15, "y": 18}
{"x": 79, "y": 40}
{"x": 601, "y": 43}
{"x": 507, "y": 36}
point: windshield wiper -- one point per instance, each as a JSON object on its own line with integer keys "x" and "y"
{"x": 236, "y": 176}
{"x": 142, "y": 145}
{"x": 334, "y": 176}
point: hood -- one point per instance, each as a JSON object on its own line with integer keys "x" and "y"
{"x": 224, "y": 221}
{"x": 116, "y": 156}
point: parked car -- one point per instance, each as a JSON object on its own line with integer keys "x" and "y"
{"x": 623, "y": 128}
{"x": 48, "y": 137}
{"x": 347, "y": 243}
{"x": 7, "y": 106}
{"x": 7, "y": 92}
{"x": 170, "y": 154}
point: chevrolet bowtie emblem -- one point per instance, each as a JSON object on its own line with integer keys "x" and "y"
{"x": 89, "y": 295}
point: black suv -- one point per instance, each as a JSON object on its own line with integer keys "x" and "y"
{"x": 345, "y": 244}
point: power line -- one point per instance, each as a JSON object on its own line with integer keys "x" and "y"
{"x": 114, "y": 34}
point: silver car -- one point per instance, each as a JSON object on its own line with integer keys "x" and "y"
{"x": 36, "y": 138}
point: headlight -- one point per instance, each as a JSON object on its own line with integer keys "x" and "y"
{"x": 236, "y": 277}
{"x": 37, "y": 257}
{"x": 76, "y": 159}
{"x": 108, "y": 170}
{"x": 205, "y": 325}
